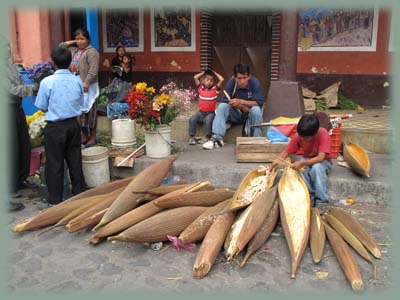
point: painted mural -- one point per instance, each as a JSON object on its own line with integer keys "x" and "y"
{"x": 325, "y": 29}
{"x": 173, "y": 29}
{"x": 123, "y": 27}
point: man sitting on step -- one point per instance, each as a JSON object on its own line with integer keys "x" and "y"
{"x": 243, "y": 98}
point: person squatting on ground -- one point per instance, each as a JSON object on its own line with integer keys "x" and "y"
{"x": 208, "y": 93}
{"x": 85, "y": 63}
{"x": 20, "y": 143}
{"x": 246, "y": 100}
{"x": 316, "y": 144}
{"x": 61, "y": 97}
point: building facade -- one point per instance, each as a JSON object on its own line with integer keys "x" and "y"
{"x": 315, "y": 47}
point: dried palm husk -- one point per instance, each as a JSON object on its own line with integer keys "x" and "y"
{"x": 345, "y": 258}
{"x": 263, "y": 233}
{"x": 249, "y": 222}
{"x": 86, "y": 222}
{"x": 212, "y": 243}
{"x": 149, "y": 178}
{"x": 158, "y": 227}
{"x": 125, "y": 221}
{"x": 253, "y": 184}
{"x": 348, "y": 236}
{"x": 317, "y": 235}
{"x": 54, "y": 214}
{"x": 202, "y": 198}
{"x": 168, "y": 188}
{"x": 185, "y": 190}
{"x": 196, "y": 230}
{"x": 96, "y": 207}
{"x": 295, "y": 214}
{"x": 357, "y": 230}
{"x": 357, "y": 158}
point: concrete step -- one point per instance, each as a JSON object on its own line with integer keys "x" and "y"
{"x": 376, "y": 141}
{"x": 219, "y": 166}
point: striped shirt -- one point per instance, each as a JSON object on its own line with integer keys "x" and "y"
{"x": 207, "y": 98}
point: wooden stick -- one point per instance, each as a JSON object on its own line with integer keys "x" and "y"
{"x": 130, "y": 155}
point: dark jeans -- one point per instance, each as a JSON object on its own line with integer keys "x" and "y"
{"x": 201, "y": 117}
{"x": 20, "y": 146}
{"x": 62, "y": 140}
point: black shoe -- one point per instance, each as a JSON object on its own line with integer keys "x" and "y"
{"x": 15, "y": 206}
{"x": 27, "y": 185}
{"x": 44, "y": 205}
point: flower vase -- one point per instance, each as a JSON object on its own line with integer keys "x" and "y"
{"x": 158, "y": 141}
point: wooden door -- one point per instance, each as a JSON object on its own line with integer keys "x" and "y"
{"x": 242, "y": 38}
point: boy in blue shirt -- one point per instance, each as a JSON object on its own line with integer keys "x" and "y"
{"x": 61, "y": 97}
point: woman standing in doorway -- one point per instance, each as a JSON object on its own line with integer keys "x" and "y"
{"x": 85, "y": 63}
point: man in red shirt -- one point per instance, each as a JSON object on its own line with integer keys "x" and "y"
{"x": 208, "y": 93}
{"x": 316, "y": 144}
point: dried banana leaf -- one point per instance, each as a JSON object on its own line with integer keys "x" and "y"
{"x": 250, "y": 221}
{"x": 125, "y": 221}
{"x": 295, "y": 214}
{"x": 148, "y": 178}
{"x": 212, "y": 243}
{"x": 357, "y": 230}
{"x": 196, "y": 230}
{"x": 156, "y": 228}
{"x": 204, "y": 198}
{"x": 345, "y": 258}
{"x": 254, "y": 183}
{"x": 357, "y": 158}
{"x": 317, "y": 235}
{"x": 263, "y": 233}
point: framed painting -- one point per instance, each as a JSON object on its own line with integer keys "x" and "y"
{"x": 122, "y": 27}
{"x": 173, "y": 28}
{"x": 327, "y": 29}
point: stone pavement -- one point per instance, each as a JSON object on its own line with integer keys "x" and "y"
{"x": 58, "y": 260}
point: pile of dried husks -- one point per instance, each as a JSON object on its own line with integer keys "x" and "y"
{"x": 139, "y": 209}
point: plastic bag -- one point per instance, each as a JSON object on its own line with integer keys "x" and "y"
{"x": 275, "y": 135}
{"x": 117, "y": 109}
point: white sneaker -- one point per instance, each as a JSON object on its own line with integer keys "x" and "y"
{"x": 213, "y": 143}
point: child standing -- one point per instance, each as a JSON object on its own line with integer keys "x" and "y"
{"x": 61, "y": 97}
{"x": 316, "y": 144}
{"x": 208, "y": 93}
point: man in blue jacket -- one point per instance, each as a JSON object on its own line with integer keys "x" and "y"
{"x": 244, "y": 98}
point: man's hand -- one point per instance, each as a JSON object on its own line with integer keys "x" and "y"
{"x": 85, "y": 87}
{"x": 235, "y": 102}
{"x": 273, "y": 164}
{"x": 297, "y": 165}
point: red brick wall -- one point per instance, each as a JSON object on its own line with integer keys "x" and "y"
{"x": 365, "y": 63}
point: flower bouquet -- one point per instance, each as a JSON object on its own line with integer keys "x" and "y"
{"x": 36, "y": 124}
{"x": 148, "y": 108}
{"x": 182, "y": 97}
{"x": 40, "y": 71}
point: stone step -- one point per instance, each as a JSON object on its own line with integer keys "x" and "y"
{"x": 219, "y": 166}
{"x": 376, "y": 141}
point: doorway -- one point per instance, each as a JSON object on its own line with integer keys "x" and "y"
{"x": 243, "y": 37}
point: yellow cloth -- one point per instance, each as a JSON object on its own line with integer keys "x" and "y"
{"x": 284, "y": 120}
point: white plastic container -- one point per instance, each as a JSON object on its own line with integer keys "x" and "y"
{"x": 123, "y": 132}
{"x": 158, "y": 142}
{"x": 96, "y": 169}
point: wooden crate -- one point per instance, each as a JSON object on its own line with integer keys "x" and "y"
{"x": 257, "y": 149}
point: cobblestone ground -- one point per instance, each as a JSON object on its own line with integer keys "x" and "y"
{"x": 58, "y": 260}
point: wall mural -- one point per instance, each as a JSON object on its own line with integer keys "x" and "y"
{"x": 122, "y": 27}
{"x": 326, "y": 29}
{"x": 173, "y": 29}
